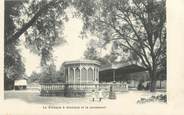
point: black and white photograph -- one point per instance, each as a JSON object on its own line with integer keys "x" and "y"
{"x": 85, "y": 52}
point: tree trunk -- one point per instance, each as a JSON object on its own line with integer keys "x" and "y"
{"x": 153, "y": 85}
{"x": 153, "y": 81}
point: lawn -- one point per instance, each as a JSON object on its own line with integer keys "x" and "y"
{"x": 33, "y": 97}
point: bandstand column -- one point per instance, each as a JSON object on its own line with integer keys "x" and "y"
{"x": 74, "y": 74}
{"x": 68, "y": 74}
{"x": 87, "y": 74}
{"x": 94, "y": 76}
{"x": 114, "y": 75}
{"x": 80, "y": 75}
{"x": 97, "y": 73}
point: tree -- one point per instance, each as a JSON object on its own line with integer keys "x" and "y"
{"x": 37, "y": 22}
{"x": 50, "y": 75}
{"x": 35, "y": 10}
{"x": 93, "y": 52}
{"x": 34, "y": 77}
{"x": 43, "y": 28}
{"x": 136, "y": 25}
{"x": 114, "y": 55}
{"x": 13, "y": 65}
{"x": 41, "y": 24}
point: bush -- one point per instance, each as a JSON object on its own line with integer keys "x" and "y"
{"x": 158, "y": 98}
{"x": 140, "y": 86}
{"x": 147, "y": 86}
{"x": 8, "y": 84}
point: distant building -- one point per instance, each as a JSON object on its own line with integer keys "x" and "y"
{"x": 20, "y": 84}
{"x": 131, "y": 73}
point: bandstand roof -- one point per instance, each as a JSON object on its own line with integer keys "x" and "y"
{"x": 82, "y": 61}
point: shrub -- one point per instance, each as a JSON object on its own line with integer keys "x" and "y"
{"x": 158, "y": 98}
{"x": 140, "y": 86}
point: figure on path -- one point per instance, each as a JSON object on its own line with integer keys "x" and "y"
{"x": 93, "y": 95}
{"x": 100, "y": 95}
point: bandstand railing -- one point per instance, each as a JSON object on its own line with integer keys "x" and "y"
{"x": 85, "y": 86}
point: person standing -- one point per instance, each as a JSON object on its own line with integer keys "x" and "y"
{"x": 100, "y": 95}
{"x": 93, "y": 95}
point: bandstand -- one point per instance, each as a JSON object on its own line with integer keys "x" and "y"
{"x": 81, "y": 71}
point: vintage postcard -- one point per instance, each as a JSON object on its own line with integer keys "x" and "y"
{"x": 91, "y": 57}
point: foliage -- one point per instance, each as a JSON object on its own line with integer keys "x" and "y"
{"x": 50, "y": 75}
{"x": 136, "y": 26}
{"x": 44, "y": 22}
{"x": 39, "y": 23}
{"x": 116, "y": 55}
{"x": 34, "y": 77}
{"x": 13, "y": 65}
{"x": 157, "y": 98}
{"x": 93, "y": 52}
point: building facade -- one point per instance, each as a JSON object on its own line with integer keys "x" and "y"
{"x": 20, "y": 84}
{"x": 81, "y": 72}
